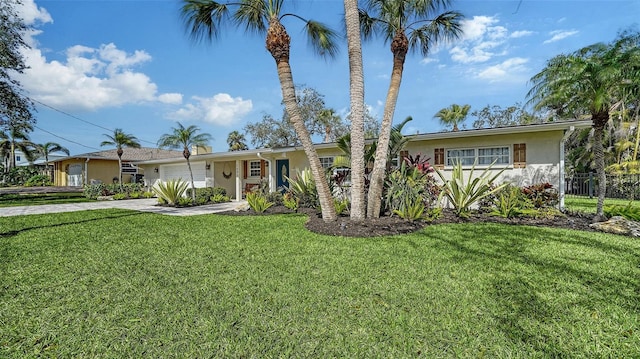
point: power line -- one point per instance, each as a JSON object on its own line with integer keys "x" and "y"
{"x": 65, "y": 139}
{"x": 81, "y": 120}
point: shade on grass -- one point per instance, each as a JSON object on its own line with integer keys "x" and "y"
{"x": 116, "y": 283}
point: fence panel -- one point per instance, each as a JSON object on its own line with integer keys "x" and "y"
{"x": 624, "y": 186}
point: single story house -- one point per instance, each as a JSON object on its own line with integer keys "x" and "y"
{"x": 102, "y": 166}
{"x": 528, "y": 154}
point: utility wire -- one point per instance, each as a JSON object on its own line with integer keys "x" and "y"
{"x": 79, "y": 119}
{"x": 65, "y": 139}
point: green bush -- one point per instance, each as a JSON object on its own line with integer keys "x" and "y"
{"x": 303, "y": 187}
{"x": 341, "y": 206}
{"x": 38, "y": 180}
{"x": 511, "y": 202}
{"x": 541, "y": 195}
{"x": 409, "y": 188}
{"x": 258, "y": 202}
{"x": 412, "y": 209}
{"x": 119, "y": 196}
{"x": 184, "y": 202}
{"x": 135, "y": 195}
{"x": 147, "y": 194}
{"x": 629, "y": 211}
{"x": 219, "y": 198}
{"x": 171, "y": 191}
{"x": 290, "y": 201}
{"x": 94, "y": 191}
{"x": 462, "y": 194}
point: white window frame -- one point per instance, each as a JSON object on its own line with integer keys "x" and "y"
{"x": 254, "y": 172}
{"x": 475, "y": 159}
{"x": 492, "y": 158}
{"x": 326, "y": 161}
{"x": 449, "y": 159}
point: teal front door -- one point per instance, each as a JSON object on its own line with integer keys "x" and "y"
{"x": 282, "y": 172}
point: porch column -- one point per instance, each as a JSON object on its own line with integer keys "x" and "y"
{"x": 238, "y": 180}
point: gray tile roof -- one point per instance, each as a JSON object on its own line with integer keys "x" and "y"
{"x": 129, "y": 154}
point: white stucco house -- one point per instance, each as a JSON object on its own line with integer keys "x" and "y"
{"x": 528, "y": 154}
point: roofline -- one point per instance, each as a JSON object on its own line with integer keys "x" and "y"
{"x": 252, "y": 154}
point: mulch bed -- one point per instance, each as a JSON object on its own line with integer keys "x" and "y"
{"x": 386, "y": 226}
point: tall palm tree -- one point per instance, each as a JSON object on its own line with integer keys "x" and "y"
{"x": 589, "y": 81}
{"x": 236, "y": 141}
{"x": 204, "y": 19}
{"x": 453, "y": 115}
{"x": 16, "y": 138}
{"x": 356, "y": 95}
{"x": 48, "y": 148}
{"x": 409, "y": 26}
{"x": 120, "y": 139}
{"x": 185, "y": 137}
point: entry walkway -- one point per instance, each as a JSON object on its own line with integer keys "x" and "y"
{"x": 143, "y": 205}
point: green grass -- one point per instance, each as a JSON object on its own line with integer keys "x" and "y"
{"x": 588, "y": 205}
{"x": 35, "y": 199}
{"x": 122, "y": 284}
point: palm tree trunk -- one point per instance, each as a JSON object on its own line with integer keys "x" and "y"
{"x": 119, "y": 172}
{"x": 599, "y": 121}
{"x": 356, "y": 90}
{"x": 380, "y": 164}
{"x": 193, "y": 184}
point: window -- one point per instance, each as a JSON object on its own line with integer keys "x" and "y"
{"x": 326, "y": 162}
{"x": 499, "y": 155}
{"x": 254, "y": 169}
{"x": 466, "y": 157}
{"x": 17, "y": 158}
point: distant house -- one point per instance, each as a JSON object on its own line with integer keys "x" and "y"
{"x": 102, "y": 166}
{"x": 528, "y": 154}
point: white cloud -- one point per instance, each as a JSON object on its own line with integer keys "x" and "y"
{"x": 171, "y": 98}
{"x": 31, "y": 14}
{"x": 482, "y": 40}
{"x": 559, "y": 35}
{"x": 508, "y": 70}
{"x": 521, "y": 33}
{"x": 427, "y": 60}
{"x": 221, "y": 109}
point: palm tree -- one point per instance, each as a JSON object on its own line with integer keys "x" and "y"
{"x": 453, "y": 115}
{"x": 48, "y": 148}
{"x": 589, "y": 81}
{"x": 204, "y": 18}
{"x": 185, "y": 137}
{"x": 236, "y": 141}
{"x": 16, "y": 138}
{"x": 408, "y": 25}
{"x": 120, "y": 139}
{"x": 356, "y": 93}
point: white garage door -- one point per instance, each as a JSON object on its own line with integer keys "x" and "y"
{"x": 169, "y": 172}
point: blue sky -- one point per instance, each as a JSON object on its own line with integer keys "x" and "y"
{"x": 130, "y": 64}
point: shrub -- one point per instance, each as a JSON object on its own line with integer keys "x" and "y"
{"x": 290, "y": 201}
{"x": 629, "y": 211}
{"x": 147, "y": 194}
{"x": 541, "y": 195}
{"x": 135, "y": 195}
{"x": 341, "y": 206}
{"x": 38, "y": 180}
{"x": 410, "y": 187}
{"x": 510, "y": 202}
{"x": 412, "y": 209}
{"x": 219, "y": 198}
{"x": 258, "y": 202}
{"x": 119, "y": 196}
{"x": 170, "y": 191}
{"x": 219, "y": 190}
{"x": 94, "y": 191}
{"x": 184, "y": 202}
{"x": 462, "y": 195}
{"x": 304, "y": 189}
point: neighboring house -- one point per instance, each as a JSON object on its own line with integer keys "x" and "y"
{"x": 102, "y": 166}
{"x": 529, "y": 154}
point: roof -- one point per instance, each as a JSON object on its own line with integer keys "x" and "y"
{"x": 129, "y": 154}
{"x": 532, "y": 128}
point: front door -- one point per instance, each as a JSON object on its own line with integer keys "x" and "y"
{"x": 282, "y": 172}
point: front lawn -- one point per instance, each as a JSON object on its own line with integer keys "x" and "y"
{"x": 35, "y": 199}
{"x": 117, "y": 283}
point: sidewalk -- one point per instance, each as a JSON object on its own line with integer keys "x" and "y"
{"x": 142, "y": 205}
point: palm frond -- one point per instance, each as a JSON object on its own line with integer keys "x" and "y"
{"x": 322, "y": 39}
{"x": 203, "y": 18}
{"x": 254, "y": 15}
